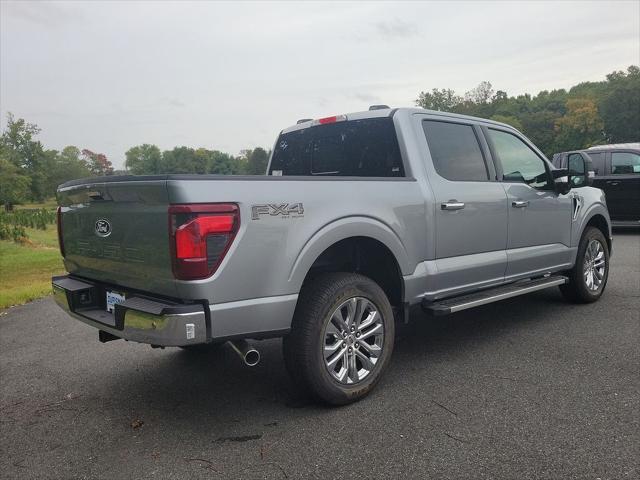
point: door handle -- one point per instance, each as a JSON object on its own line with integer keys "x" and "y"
{"x": 452, "y": 205}
{"x": 613, "y": 183}
{"x": 520, "y": 203}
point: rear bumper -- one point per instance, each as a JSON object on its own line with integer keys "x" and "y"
{"x": 138, "y": 319}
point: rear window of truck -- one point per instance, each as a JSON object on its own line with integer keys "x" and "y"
{"x": 354, "y": 148}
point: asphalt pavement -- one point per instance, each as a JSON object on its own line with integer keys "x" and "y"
{"x": 531, "y": 387}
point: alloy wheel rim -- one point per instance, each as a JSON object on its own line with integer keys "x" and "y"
{"x": 353, "y": 338}
{"x": 594, "y": 265}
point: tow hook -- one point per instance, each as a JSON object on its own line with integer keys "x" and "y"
{"x": 249, "y": 355}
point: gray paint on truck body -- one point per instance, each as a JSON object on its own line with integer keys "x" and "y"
{"x": 439, "y": 253}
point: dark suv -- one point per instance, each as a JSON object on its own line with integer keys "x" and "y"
{"x": 616, "y": 170}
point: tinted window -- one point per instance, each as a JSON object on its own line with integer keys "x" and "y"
{"x": 455, "y": 151}
{"x": 361, "y": 148}
{"x": 519, "y": 162}
{"x": 625, "y": 163}
{"x": 597, "y": 160}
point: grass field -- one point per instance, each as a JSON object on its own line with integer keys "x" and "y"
{"x": 26, "y": 270}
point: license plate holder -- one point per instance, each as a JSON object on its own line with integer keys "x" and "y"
{"x": 113, "y": 299}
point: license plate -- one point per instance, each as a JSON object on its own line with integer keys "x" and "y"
{"x": 114, "y": 298}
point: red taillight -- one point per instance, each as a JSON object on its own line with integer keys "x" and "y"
{"x": 201, "y": 234}
{"x": 333, "y": 119}
{"x": 191, "y": 238}
{"x": 322, "y": 121}
{"x": 59, "y": 223}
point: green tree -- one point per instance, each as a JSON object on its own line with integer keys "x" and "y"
{"x": 179, "y": 160}
{"x": 443, "y": 100}
{"x": 587, "y": 114}
{"x": 66, "y": 165}
{"x": 581, "y": 127}
{"x": 483, "y": 93}
{"x": 540, "y": 128}
{"x": 14, "y": 186}
{"x": 553, "y": 101}
{"x": 509, "y": 120}
{"x": 620, "y": 106}
{"x": 479, "y": 101}
{"x": 19, "y": 147}
{"x": 147, "y": 159}
{"x": 202, "y": 160}
{"x": 18, "y": 143}
{"x": 257, "y": 160}
{"x": 223, "y": 164}
{"x": 144, "y": 159}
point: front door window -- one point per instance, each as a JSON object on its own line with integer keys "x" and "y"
{"x": 519, "y": 163}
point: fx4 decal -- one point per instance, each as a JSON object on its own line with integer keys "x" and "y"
{"x": 285, "y": 210}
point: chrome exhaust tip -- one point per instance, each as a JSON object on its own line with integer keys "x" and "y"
{"x": 249, "y": 355}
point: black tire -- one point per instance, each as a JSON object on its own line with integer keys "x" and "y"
{"x": 303, "y": 348}
{"x": 577, "y": 290}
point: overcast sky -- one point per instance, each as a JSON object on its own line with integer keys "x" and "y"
{"x": 227, "y": 76}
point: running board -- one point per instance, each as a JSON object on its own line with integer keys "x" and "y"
{"x": 625, "y": 223}
{"x": 457, "y": 304}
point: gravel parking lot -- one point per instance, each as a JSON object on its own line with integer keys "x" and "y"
{"x": 528, "y": 388}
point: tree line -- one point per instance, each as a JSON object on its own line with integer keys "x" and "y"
{"x": 590, "y": 113}
{"x": 30, "y": 172}
{"x": 149, "y": 160}
{"x": 587, "y": 114}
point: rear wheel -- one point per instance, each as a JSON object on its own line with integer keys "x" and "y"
{"x": 588, "y": 278}
{"x": 341, "y": 338}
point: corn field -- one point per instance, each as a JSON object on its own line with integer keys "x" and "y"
{"x": 13, "y": 224}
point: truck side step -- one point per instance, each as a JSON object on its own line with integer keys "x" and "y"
{"x": 457, "y": 304}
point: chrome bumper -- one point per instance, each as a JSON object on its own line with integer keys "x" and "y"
{"x": 138, "y": 319}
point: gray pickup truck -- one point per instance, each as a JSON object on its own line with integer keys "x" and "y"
{"x": 360, "y": 219}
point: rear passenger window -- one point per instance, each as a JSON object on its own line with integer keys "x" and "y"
{"x": 625, "y": 163}
{"x": 455, "y": 151}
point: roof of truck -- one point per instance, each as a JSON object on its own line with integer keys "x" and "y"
{"x": 602, "y": 148}
{"x": 616, "y": 146}
{"x": 390, "y": 112}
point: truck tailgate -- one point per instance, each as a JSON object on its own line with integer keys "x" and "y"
{"x": 118, "y": 232}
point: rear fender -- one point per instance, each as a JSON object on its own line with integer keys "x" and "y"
{"x": 342, "y": 229}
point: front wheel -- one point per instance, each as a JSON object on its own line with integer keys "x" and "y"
{"x": 588, "y": 278}
{"x": 341, "y": 338}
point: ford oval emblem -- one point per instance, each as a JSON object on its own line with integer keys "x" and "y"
{"x": 103, "y": 228}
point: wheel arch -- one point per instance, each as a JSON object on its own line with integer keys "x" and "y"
{"x": 361, "y": 245}
{"x": 599, "y": 221}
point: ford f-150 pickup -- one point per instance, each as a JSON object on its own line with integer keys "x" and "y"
{"x": 360, "y": 219}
